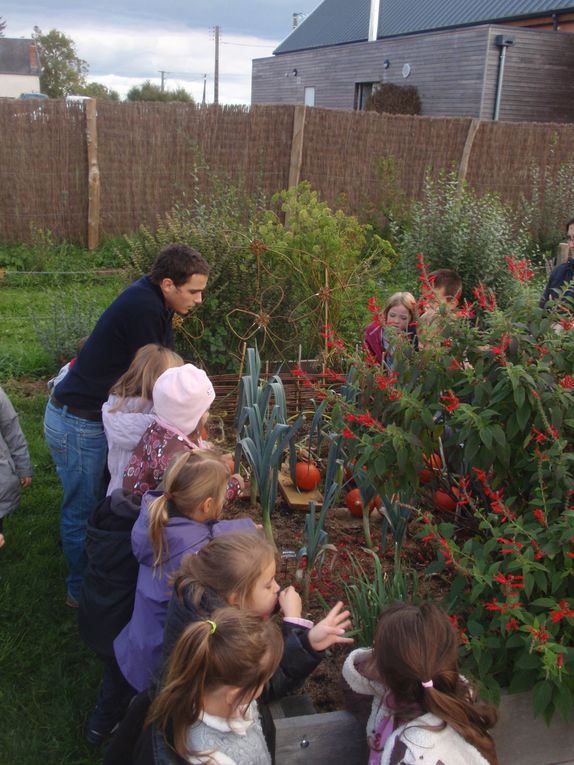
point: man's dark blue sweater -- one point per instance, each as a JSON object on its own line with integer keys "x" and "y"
{"x": 559, "y": 277}
{"x": 138, "y": 316}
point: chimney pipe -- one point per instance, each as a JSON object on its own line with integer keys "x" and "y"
{"x": 374, "y": 20}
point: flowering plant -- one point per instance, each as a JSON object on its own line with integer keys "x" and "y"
{"x": 491, "y": 392}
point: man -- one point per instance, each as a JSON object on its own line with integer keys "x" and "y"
{"x": 141, "y": 314}
{"x": 562, "y": 275}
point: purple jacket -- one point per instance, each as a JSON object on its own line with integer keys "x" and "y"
{"x": 138, "y": 647}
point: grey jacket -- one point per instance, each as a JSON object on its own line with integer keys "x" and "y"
{"x": 14, "y": 458}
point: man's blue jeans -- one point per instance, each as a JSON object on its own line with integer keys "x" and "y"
{"x": 79, "y": 450}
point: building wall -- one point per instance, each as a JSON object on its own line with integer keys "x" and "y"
{"x": 11, "y": 85}
{"x": 455, "y": 73}
{"x": 446, "y": 67}
{"x": 538, "y": 81}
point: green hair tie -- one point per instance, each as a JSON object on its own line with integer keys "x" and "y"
{"x": 213, "y": 626}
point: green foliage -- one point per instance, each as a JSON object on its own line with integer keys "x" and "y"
{"x": 550, "y": 203}
{"x": 325, "y": 261}
{"x": 63, "y": 72}
{"x": 455, "y": 228}
{"x": 496, "y": 399}
{"x": 150, "y": 92}
{"x": 69, "y": 319}
{"x": 98, "y": 90}
{"x": 370, "y": 591}
{"x": 388, "y": 98}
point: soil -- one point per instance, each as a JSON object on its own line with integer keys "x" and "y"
{"x": 346, "y": 534}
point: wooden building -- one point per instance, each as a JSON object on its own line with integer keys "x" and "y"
{"x": 470, "y": 58}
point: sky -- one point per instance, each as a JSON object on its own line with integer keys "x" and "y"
{"x": 130, "y": 41}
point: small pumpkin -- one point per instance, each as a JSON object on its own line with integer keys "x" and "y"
{"x": 433, "y": 465}
{"x": 307, "y": 476}
{"x": 355, "y": 503}
{"x": 444, "y": 501}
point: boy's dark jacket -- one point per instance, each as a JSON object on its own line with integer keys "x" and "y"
{"x": 108, "y": 589}
{"x": 562, "y": 275}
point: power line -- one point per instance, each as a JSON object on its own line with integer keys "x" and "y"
{"x": 247, "y": 45}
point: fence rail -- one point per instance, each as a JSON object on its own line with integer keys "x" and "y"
{"x": 109, "y": 168}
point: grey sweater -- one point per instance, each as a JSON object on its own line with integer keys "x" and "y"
{"x": 14, "y": 458}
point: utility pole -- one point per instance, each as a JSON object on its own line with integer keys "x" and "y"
{"x": 163, "y": 74}
{"x": 216, "y": 69}
{"x": 204, "y": 89}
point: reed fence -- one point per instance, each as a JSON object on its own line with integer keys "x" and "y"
{"x": 80, "y": 171}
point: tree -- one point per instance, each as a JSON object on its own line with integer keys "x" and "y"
{"x": 98, "y": 90}
{"x": 63, "y": 72}
{"x": 150, "y": 92}
{"x": 2, "y": 26}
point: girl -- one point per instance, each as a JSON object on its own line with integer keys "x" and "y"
{"x": 423, "y": 711}
{"x": 170, "y": 525}
{"x": 128, "y": 412}
{"x": 400, "y": 312}
{"x": 206, "y": 711}
{"x": 15, "y": 465}
{"x": 181, "y": 400}
{"x": 239, "y": 570}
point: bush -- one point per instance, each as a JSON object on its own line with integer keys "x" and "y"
{"x": 394, "y": 99}
{"x": 455, "y": 228}
{"x": 492, "y": 401}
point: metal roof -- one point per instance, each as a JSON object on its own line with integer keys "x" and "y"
{"x": 336, "y": 22}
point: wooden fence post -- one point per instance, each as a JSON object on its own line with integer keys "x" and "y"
{"x": 297, "y": 145}
{"x": 93, "y": 175}
{"x": 466, "y": 152}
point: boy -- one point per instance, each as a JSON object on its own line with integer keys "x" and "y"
{"x": 446, "y": 291}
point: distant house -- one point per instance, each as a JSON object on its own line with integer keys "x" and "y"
{"x": 19, "y": 67}
{"x": 502, "y": 59}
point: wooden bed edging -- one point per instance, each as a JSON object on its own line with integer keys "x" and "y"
{"x": 337, "y": 738}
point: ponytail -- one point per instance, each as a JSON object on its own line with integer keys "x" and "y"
{"x": 415, "y": 654}
{"x": 191, "y": 478}
{"x": 235, "y": 648}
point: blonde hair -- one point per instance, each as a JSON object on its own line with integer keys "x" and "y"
{"x": 234, "y": 648}
{"x": 190, "y": 479}
{"x": 148, "y": 364}
{"x": 404, "y": 299}
{"x": 229, "y": 565}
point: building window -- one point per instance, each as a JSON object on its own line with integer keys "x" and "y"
{"x": 309, "y": 96}
{"x": 362, "y": 92}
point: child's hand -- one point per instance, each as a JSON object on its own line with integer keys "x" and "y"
{"x": 290, "y": 603}
{"x": 25, "y": 481}
{"x": 229, "y": 460}
{"x": 331, "y": 629}
{"x": 239, "y": 480}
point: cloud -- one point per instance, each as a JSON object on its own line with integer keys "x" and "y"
{"x": 126, "y": 46}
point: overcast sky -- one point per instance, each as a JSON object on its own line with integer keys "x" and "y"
{"x": 125, "y": 42}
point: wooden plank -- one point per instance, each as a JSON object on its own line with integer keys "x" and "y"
{"x": 297, "y": 500}
{"x": 93, "y": 175}
{"x": 466, "y": 152}
{"x": 335, "y": 738}
{"x": 297, "y": 146}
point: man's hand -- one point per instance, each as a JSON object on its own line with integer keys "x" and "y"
{"x": 331, "y": 629}
{"x": 26, "y": 481}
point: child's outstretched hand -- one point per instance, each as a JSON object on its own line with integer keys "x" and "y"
{"x": 290, "y": 603}
{"x": 26, "y": 481}
{"x": 331, "y": 629}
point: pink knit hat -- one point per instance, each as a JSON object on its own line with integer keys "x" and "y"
{"x": 181, "y": 396}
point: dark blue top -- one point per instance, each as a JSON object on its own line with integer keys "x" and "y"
{"x": 138, "y": 316}
{"x": 558, "y": 279}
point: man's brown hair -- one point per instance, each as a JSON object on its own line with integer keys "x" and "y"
{"x": 448, "y": 281}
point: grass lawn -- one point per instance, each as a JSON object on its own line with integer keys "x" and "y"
{"x": 48, "y": 678}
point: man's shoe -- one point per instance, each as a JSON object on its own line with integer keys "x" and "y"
{"x": 71, "y": 601}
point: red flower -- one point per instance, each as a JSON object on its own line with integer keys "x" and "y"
{"x": 374, "y": 307}
{"x": 466, "y": 310}
{"x": 520, "y": 269}
{"x": 564, "y": 610}
{"x": 512, "y": 624}
{"x": 347, "y": 433}
{"x": 451, "y": 401}
{"x": 539, "y": 515}
{"x": 486, "y": 298}
{"x": 541, "y": 635}
{"x": 567, "y": 382}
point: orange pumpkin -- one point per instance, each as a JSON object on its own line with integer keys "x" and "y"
{"x": 444, "y": 501}
{"x": 355, "y": 503}
{"x": 307, "y": 476}
{"x": 375, "y": 503}
{"x": 434, "y": 464}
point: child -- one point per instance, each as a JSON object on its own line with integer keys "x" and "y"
{"x": 446, "y": 291}
{"x": 400, "y": 312}
{"x": 15, "y": 465}
{"x": 423, "y": 711}
{"x": 128, "y": 412}
{"x": 206, "y": 710}
{"x": 181, "y": 400}
{"x": 239, "y": 570}
{"x": 170, "y": 525}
